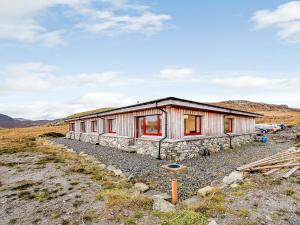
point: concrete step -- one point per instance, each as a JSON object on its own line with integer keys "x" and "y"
{"x": 131, "y": 149}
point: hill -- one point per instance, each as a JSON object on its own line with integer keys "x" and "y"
{"x": 9, "y": 122}
{"x": 272, "y": 113}
{"x": 88, "y": 112}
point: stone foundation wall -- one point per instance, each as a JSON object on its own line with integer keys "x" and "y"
{"x": 170, "y": 149}
{"x": 180, "y": 150}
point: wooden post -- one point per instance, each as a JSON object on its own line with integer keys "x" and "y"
{"x": 174, "y": 192}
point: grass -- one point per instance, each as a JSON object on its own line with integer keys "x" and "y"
{"x": 181, "y": 217}
{"x": 42, "y": 195}
{"x": 12, "y": 221}
{"x": 243, "y": 212}
{"x": 213, "y": 203}
{"x": 123, "y": 199}
{"x": 238, "y": 194}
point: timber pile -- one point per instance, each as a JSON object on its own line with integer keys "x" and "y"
{"x": 289, "y": 159}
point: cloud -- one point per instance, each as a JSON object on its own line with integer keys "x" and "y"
{"x": 31, "y": 77}
{"x": 21, "y": 20}
{"x": 123, "y": 17}
{"x": 62, "y": 108}
{"x": 175, "y": 74}
{"x": 242, "y": 82}
{"x": 285, "y": 18}
{"x": 105, "y": 99}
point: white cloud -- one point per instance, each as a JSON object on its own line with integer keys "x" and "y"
{"x": 175, "y": 74}
{"x": 258, "y": 82}
{"x": 30, "y": 77}
{"x": 285, "y": 18}
{"x": 62, "y": 108}
{"x": 20, "y": 20}
{"x": 123, "y": 17}
{"x": 105, "y": 99}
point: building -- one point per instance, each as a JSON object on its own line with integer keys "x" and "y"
{"x": 168, "y": 128}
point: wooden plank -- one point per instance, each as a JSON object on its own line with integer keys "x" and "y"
{"x": 274, "y": 166}
{"x": 271, "y": 171}
{"x": 276, "y": 156}
{"x": 293, "y": 170}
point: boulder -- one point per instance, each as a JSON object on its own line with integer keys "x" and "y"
{"x": 164, "y": 196}
{"x": 162, "y": 205}
{"x": 205, "y": 191}
{"x": 111, "y": 168}
{"x": 141, "y": 187}
{"x": 118, "y": 172}
{"x": 192, "y": 203}
{"x": 233, "y": 177}
{"x": 212, "y": 222}
{"x": 234, "y": 185}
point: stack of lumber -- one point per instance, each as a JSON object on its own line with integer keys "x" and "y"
{"x": 289, "y": 159}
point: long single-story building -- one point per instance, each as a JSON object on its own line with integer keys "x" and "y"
{"x": 168, "y": 128}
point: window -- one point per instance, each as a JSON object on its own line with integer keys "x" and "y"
{"x": 82, "y": 127}
{"x": 72, "y": 127}
{"x": 94, "y": 126}
{"x": 228, "y": 125}
{"x": 112, "y": 126}
{"x": 192, "y": 125}
{"x": 149, "y": 125}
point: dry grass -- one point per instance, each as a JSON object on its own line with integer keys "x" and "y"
{"x": 88, "y": 112}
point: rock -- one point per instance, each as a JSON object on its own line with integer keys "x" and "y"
{"x": 102, "y": 166}
{"x": 294, "y": 222}
{"x": 212, "y": 222}
{"x": 130, "y": 177}
{"x": 192, "y": 203}
{"x": 217, "y": 184}
{"x": 205, "y": 191}
{"x": 234, "y": 185}
{"x": 111, "y": 168}
{"x": 118, "y": 172}
{"x": 141, "y": 187}
{"x": 234, "y": 177}
{"x": 164, "y": 196}
{"x": 162, "y": 205}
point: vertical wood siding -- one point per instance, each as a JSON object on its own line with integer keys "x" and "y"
{"x": 212, "y": 123}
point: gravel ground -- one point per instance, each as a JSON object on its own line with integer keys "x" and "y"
{"x": 201, "y": 171}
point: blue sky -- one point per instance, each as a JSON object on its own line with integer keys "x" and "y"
{"x": 59, "y": 57}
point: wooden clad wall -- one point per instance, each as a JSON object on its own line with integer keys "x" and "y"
{"x": 212, "y": 123}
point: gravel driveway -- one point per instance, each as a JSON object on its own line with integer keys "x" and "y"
{"x": 201, "y": 171}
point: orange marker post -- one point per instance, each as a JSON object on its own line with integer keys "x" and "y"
{"x": 174, "y": 192}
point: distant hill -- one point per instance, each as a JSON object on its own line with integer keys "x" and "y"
{"x": 9, "y": 122}
{"x": 272, "y": 113}
{"x": 86, "y": 113}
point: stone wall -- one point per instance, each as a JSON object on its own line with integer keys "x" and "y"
{"x": 180, "y": 150}
{"x": 170, "y": 149}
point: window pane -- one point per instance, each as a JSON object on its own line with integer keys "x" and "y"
{"x": 189, "y": 124}
{"x": 151, "y": 123}
{"x": 198, "y": 127}
{"x": 228, "y": 125}
{"x": 113, "y": 126}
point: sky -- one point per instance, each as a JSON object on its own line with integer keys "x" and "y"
{"x": 59, "y": 57}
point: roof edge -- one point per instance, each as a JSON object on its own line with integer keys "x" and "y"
{"x": 165, "y": 99}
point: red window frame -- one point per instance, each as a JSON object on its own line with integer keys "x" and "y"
{"x": 82, "y": 127}
{"x": 196, "y": 126}
{"x": 110, "y": 126}
{"x": 94, "y": 126}
{"x": 229, "y": 129}
{"x": 144, "y": 128}
{"x": 72, "y": 127}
